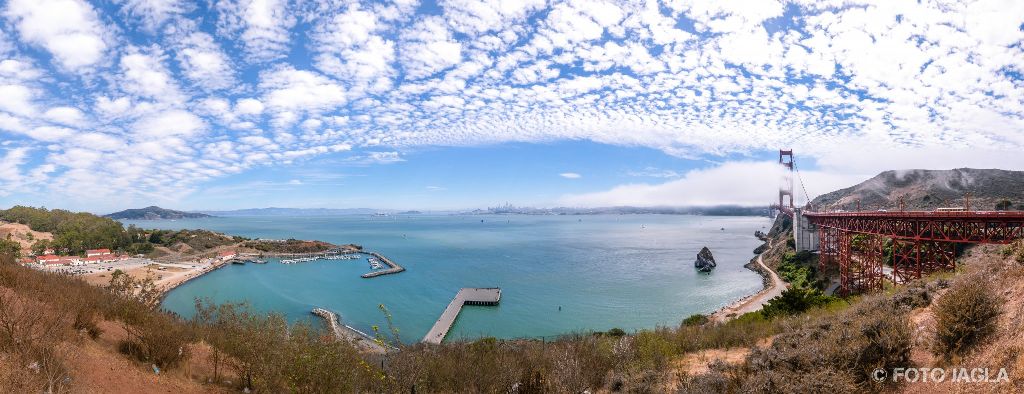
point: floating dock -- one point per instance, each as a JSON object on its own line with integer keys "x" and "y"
{"x": 465, "y": 296}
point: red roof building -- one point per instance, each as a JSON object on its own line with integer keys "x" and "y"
{"x": 97, "y": 252}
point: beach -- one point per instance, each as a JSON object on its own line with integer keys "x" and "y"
{"x": 773, "y": 287}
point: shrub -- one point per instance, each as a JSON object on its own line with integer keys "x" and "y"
{"x": 616, "y": 332}
{"x": 873, "y": 334}
{"x": 964, "y": 316}
{"x": 915, "y": 294}
{"x": 795, "y": 300}
{"x": 695, "y": 320}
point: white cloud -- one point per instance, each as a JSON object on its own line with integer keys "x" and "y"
{"x": 742, "y": 183}
{"x": 262, "y": 26}
{"x": 570, "y": 175}
{"x": 145, "y": 75}
{"x": 204, "y": 63}
{"x": 289, "y": 91}
{"x": 69, "y": 29}
{"x": 17, "y": 99}
{"x": 65, "y": 115}
{"x": 167, "y": 124}
{"x": 249, "y": 106}
{"x": 153, "y": 13}
{"x": 429, "y": 48}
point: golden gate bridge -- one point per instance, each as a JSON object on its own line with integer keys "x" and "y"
{"x": 914, "y": 243}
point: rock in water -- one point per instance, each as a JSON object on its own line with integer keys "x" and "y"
{"x": 705, "y": 261}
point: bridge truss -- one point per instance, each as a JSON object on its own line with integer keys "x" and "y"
{"x": 914, "y": 243}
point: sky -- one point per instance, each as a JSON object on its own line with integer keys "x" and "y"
{"x": 465, "y": 104}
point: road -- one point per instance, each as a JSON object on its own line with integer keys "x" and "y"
{"x": 757, "y": 301}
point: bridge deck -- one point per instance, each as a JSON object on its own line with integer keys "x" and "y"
{"x": 467, "y": 295}
{"x": 999, "y": 215}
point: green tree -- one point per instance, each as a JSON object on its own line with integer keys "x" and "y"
{"x": 10, "y": 247}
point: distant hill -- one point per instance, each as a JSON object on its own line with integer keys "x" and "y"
{"x": 154, "y": 213}
{"x": 930, "y": 189}
{"x": 273, "y": 211}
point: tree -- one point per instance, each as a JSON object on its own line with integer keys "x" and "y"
{"x": 10, "y": 247}
{"x": 1004, "y": 205}
{"x": 40, "y": 246}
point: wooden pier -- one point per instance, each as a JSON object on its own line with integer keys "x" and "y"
{"x": 465, "y": 296}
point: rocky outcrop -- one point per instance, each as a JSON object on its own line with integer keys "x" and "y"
{"x": 705, "y": 260}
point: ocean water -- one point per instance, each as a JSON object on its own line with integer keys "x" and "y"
{"x": 604, "y": 271}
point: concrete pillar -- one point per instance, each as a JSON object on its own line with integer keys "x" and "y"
{"x": 804, "y": 233}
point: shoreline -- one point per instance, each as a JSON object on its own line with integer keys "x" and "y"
{"x": 773, "y": 286}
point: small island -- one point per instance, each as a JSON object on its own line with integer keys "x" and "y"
{"x": 154, "y": 213}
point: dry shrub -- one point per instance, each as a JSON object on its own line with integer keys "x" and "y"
{"x": 874, "y": 333}
{"x": 964, "y": 317}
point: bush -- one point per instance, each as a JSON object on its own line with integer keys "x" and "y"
{"x": 616, "y": 332}
{"x": 873, "y": 334}
{"x": 695, "y": 320}
{"x": 915, "y": 294}
{"x": 795, "y": 300}
{"x": 964, "y": 317}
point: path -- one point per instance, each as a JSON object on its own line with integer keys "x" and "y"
{"x": 757, "y": 301}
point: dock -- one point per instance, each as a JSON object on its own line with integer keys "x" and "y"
{"x": 465, "y": 296}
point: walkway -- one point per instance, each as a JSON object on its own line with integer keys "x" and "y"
{"x": 467, "y": 295}
{"x": 757, "y": 301}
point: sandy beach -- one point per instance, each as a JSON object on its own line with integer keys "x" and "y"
{"x": 774, "y": 287}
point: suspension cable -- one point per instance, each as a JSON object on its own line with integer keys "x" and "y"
{"x": 802, "y": 186}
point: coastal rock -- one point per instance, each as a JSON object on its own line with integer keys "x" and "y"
{"x": 761, "y": 235}
{"x": 705, "y": 261}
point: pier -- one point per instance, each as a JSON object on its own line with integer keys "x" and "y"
{"x": 465, "y": 296}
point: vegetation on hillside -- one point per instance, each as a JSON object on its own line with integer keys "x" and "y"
{"x": 75, "y": 232}
{"x": 293, "y": 246}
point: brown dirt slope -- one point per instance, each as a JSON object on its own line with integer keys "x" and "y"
{"x": 21, "y": 234}
{"x": 930, "y": 189}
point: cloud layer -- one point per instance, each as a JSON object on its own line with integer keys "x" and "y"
{"x": 149, "y": 99}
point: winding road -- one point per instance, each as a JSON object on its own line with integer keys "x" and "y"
{"x": 756, "y": 301}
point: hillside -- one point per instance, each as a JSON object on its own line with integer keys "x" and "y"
{"x": 930, "y": 189}
{"x": 273, "y": 211}
{"x": 154, "y": 213}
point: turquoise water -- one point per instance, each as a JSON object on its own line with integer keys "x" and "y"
{"x": 626, "y": 271}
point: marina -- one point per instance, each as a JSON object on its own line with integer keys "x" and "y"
{"x": 489, "y": 296}
{"x": 341, "y": 256}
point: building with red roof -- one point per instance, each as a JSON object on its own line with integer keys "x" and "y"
{"x": 98, "y": 252}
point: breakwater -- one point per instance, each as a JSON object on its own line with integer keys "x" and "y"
{"x": 394, "y": 267}
{"x": 348, "y": 333}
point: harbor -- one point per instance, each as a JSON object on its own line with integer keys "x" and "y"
{"x": 325, "y": 256}
{"x": 489, "y": 296}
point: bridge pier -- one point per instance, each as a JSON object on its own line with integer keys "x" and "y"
{"x": 805, "y": 233}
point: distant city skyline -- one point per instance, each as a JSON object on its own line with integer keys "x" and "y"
{"x": 463, "y": 104}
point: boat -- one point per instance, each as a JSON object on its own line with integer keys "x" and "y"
{"x": 238, "y": 262}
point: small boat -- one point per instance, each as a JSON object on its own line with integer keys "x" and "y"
{"x": 238, "y": 262}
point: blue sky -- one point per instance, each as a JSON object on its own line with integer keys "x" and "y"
{"x": 469, "y": 103}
